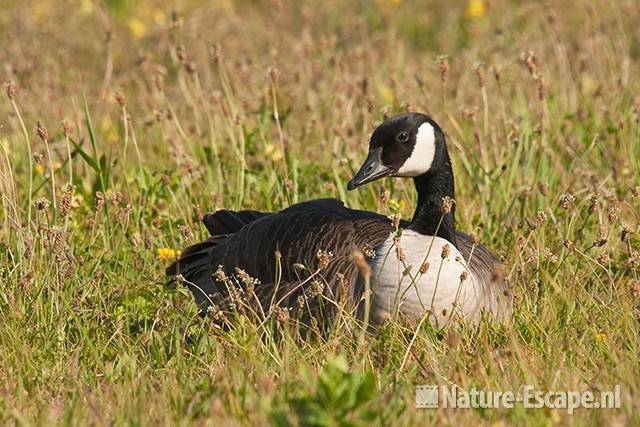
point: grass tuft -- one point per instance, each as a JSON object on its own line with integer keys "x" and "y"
{"x": 122, "y": 123}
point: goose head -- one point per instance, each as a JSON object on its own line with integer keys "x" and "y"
{"x": 407, "y": 145}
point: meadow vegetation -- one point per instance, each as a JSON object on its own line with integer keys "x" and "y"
{"x": 122, "y": 122}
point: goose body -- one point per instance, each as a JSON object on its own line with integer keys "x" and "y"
{"x": 301, "y": 259}
{"x": 421, "y": 280}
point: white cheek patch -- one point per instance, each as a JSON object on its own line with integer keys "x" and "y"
{"x": 423, "y": 153}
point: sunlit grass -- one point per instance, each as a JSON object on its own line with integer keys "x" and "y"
{"x": 259, "y": 105}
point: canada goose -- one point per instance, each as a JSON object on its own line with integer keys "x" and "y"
{"x": 301, "y": 258}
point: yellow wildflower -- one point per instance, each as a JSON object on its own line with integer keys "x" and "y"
{"x": 397, "y": 206}
{"x": 39, "y": 169}
{"x": 167, "y": 254}
{"x": 475, "y": 9}
{"x": 601, "y": 336}
{"x": 385, "y": 92}
{"x": 86, "y": 7}
{"x": 137, "y": 27}
{"x": 394, "y": 205}
{"x": 272, "y": 152}
{"x": 159, "y": 17}
{"x": 108, "y": 129}
{"x": 389, "y": 3}
{"x": 40, "y": 10}
{"x": 226, "y": 6}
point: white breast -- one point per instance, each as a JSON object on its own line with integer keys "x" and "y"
{"x": 402, "y": 286}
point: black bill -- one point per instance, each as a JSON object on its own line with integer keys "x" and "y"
{"x": 371, "y": 169}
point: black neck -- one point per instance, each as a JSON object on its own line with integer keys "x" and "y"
{"x": 429, "y": 219}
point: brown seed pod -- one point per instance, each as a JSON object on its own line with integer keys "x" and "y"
{"x": 10, "y": 86}
{"x": 446, "y": 250}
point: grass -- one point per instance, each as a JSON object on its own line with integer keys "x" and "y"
{"x": 124, "y": 121}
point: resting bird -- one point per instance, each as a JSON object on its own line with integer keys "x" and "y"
{"x": 300, "y": 261}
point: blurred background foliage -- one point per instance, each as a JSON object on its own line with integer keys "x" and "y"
{"x": 149, "y": 113}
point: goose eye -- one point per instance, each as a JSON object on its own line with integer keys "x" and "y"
{"x": 403, "y": 136}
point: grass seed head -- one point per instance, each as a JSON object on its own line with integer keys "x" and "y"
{"x": 599, "y": 241}
{"x": 385, "y": 196}
{"x": 317, "y": 288}
{"x": 603, "y": 258}
{"x": 594, "y": 200}
{"x": 324, "y": 257}
{"x": 42, "y": 132}
{"x": 447, "y": 205}
{"x": 135, "y": 239}
{"x": 530, "y": 60}
{"x": 10, "y": 87}
{"x": 446, "y": 250}
{"x": 543, "y": 188}
{"x": 300, "y": 301}
{"x": 613, "y": 214}
{"x": 443, "y": 62}
{"x": 121, "y": 98}
{"x": 181, "y": 53}
{"x": 541, "y": 217}
{"x": 474, "y": 239}
{"x": 424, "y": 267}
{"x": 42, "y": 204}
{"x": 158, "y": 82}
{"x": 533, "y": 225}
{"x": 67, "y": 128}
{"x": 66, "y": 201}
{"x": 522, "y": 242}
{"x": 395, "y": 222}
{"x": 197, "y": 212}
{"x": 566, "y": 200}
{"x": 634, "y": 260}
{"x": 191, "y": 67}
{"x": 540, "y": 87}
{"x": 100, "y": 200}
{"x": 185, "y": 231}
{"x": 497, "y": 70}
{"x": 480, "y": 73}
{"x": 635, "y": 288}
